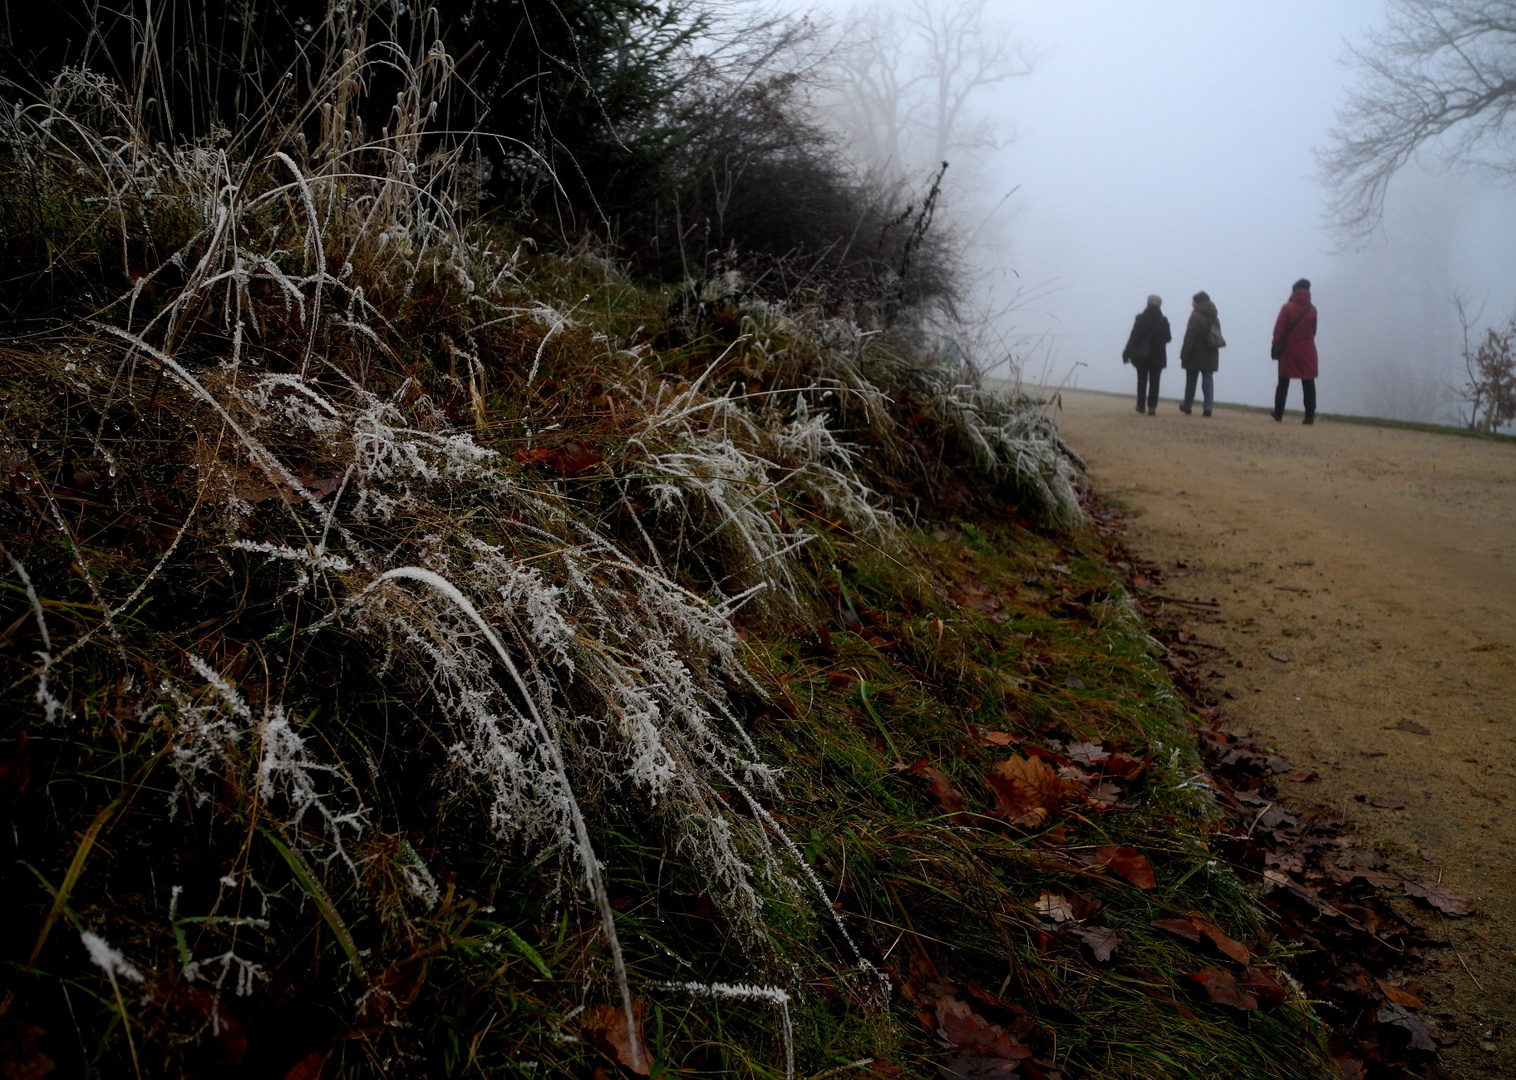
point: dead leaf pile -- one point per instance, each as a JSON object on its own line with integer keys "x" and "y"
{"x": 1326, "y": 892}
{"x": 1330, "y": 895}
{"x": 1033, "y": 787}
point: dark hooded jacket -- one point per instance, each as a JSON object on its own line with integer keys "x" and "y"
{"x": 1146, "y": 345}
{"x": 1197, "y": 353}
{"x": 1296, "y": 326}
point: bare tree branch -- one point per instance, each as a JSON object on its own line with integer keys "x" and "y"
{"x": 1441, "y": 76}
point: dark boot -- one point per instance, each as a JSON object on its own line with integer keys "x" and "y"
{"x": 1308, "y": 388}
{"x": 1280, "y": 392}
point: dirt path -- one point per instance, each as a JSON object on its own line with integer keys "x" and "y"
{"x": 1366, "y": 583}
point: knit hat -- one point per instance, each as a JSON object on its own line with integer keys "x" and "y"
{"x": 1155, "y": 300}
{"x": 1201, "y": 296}
{"x": 1303, "y": 283}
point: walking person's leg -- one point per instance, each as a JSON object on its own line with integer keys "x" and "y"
{"x": 1280, "y": 393}
{"x": 1308, "y": 387}
{"x": 1208, "y": 388}
{"x": 1189, "y": 390}
{"x": 1153, "y": 377}
{"x": 1142, "y": 389}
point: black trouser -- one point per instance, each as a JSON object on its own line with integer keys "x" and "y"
{"x": 1308, "y": 388}
{"x": 1147, "y": 387}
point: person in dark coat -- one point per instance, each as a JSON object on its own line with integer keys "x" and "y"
{"x": 1200, "y": 353}
{"x": 1295, "y": 349}
{"x": 1145, "y": 350}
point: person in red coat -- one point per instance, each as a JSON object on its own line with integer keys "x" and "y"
{"x": 1295, "y": 349}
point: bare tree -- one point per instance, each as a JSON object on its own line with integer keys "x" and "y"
{"x": 1441, "y": 76}
{"x": 909, "y": 72}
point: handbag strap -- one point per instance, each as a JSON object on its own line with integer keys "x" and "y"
{"x": 1285, "y": 337}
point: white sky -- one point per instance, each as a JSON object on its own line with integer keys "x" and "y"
{"x": 1167, "y": 147}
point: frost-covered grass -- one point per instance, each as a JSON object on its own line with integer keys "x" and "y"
{"x": 410, "y": 636}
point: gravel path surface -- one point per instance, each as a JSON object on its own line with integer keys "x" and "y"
{"x": 1365, "y": 588}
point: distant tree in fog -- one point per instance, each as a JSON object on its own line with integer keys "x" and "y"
{"x": 1489, "y": 391}
{"x": 1440, "y": 76}
{"x": 908, "y": 72}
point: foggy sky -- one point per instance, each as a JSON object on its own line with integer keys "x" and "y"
{"x": 1166, "y": 147}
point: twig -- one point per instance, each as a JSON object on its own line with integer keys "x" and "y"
{"x": 1187, "y": 603}
{"x": 1466, "y": 970}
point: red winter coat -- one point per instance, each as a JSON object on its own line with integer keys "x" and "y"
{"x": 1298, "y": 361}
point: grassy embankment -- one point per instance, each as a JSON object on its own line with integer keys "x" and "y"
{"x": 424, "y": 654}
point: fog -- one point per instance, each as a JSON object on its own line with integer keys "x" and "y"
{"x": 1167, "y": 148}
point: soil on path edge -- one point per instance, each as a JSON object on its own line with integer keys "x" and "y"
{"x": 1364, "y": 589}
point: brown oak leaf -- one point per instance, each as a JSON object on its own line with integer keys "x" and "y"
{"x": 1027, "y": 790}
{"x": 1454, "y": 905}
{"x": 1102, "y": 941}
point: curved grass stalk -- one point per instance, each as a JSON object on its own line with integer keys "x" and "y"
{"x": 450, "y": 592}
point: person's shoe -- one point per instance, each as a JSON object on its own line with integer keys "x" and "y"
{"x": 1186, "y": 409}
{"x": 1278, "y": 416}
{"x": 1206, "y": 413}
{"x": 1152, "y": 411}
{"x": 1309, "y": 419}
{"x": 1139, "y": 408}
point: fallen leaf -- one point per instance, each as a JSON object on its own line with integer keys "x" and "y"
{"x": 1283, "y": 658}
{"x": 1263, "y": 986}
{"x": 1197, "y": 929}
{"x": 1412, "y": 726}
{"x": 20, "y": 1056}
{"x": 1420, "y": 1034}
{"x": 1125, "y": 766}
{"x": 976, "y": 1067}
{"x": 607, "y": 1028}
{"x": 941, "y": 789}
{"x": 307, "y": 1068}
{"x": 1302, "y": 776}
{"x": 998, "y": 738}
{"x": 574, "y": 457}
{"x": 1387, "y": 804}
{"x": 1088, "y": 753}
{"x": 1223, "y": 989}
{"x": 1445, "y": 900}
{"x": 1404, "y": 998}
{"x": 1027, "y": 790}
{"x": 1184, "y": 928}
{"x": 1130, "y": 864}
{"x": 1102, "y": 941}
{"x": 1350, "y": 1067}
{"x": 1074, "y": 682}
{"x": 959, "y": 1024}
{"x": 1056, "y": 907}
